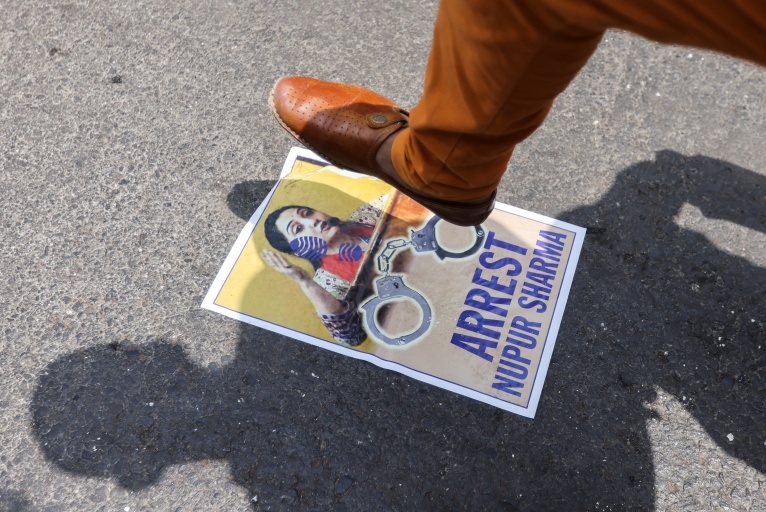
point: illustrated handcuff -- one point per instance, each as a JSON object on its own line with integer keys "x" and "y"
{"x": 391, "y": 287}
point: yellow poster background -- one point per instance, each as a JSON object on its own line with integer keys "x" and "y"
{"x": 254, "y": 289}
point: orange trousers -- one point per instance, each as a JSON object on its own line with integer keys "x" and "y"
{"x": 497, "y": 65}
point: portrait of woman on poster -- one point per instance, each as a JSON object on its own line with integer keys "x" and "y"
{"x": 335, "y": 249}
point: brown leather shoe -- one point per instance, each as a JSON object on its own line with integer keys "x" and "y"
{"x": 347, "y": 125}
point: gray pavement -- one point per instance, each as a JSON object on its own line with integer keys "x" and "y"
{"x": 135, "y": 138}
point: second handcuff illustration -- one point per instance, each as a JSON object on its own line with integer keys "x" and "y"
{"x": 392, "y": 287}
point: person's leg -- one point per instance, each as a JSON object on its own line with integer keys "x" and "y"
{"x": 734, "y": 27}
{"x": 493, "y": 73}
{"x": 496, "y": 68}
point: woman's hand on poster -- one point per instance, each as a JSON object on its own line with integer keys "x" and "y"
{"x": 324, "y": 303}
{"x": 278, "y": 262}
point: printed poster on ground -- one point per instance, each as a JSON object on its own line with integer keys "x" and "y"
{"x": 347, "y": 263}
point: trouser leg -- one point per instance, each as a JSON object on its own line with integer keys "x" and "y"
{"x": 496, "y": 67}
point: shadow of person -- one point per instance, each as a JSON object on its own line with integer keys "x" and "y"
{"x": 653, "y": 306}
{"x": 686, "y": 316}
{"x": 245, "y": 197}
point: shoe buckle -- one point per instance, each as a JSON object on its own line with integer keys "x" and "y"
{"x": 378, "y": 119}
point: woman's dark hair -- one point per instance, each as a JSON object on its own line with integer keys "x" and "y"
{"x": 273, "y": 235}
{"x": 276, "y": 238}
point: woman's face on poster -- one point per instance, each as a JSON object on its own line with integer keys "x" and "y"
{"x": 303, "y": 221}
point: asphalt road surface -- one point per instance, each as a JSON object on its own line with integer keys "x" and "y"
{"x": 135, "y": 137}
